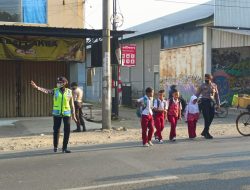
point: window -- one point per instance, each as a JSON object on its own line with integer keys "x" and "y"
{"x": 10, "y": 11}
{"x": 182, "y": 37}
{"x": 26, "y": 11}
{"x": 34, "y": 11}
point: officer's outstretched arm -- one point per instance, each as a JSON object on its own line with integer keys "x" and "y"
{"x": 44, "y": 90}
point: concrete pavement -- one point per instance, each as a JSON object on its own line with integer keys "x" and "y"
{"x": 222, "y": 163}
{"x": 16, "y": 127}
{"x": 13, "y": 127}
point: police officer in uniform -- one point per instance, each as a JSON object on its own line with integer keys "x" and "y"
{"x": 209, "y": 102}
{"x": 63, "y": 109}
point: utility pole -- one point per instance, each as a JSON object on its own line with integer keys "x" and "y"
{"x": 115, "y": 68}
{"x": 106, "y": 69}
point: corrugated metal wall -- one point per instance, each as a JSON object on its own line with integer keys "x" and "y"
{"x": 8, "y": 90}
{"x": 181, "y": 61}
{"x": 18, "y": 97}
{"x": 233, "y": 13}
{"x": 182, "y": 67}
{"x": 222, "y": 39}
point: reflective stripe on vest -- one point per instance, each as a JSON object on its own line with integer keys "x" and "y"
{"x": 61, "y": 105}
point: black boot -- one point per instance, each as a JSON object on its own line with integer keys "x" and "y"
{"x": 203, "y": 133}
{"x": 77, "y": 130}
{"x": 66, "y": 151}
{"x": 84, "y": 128}
{"x": 208, "y": 136}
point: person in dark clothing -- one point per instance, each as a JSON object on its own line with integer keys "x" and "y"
{"x": 78, "y": 96}
{"x": 172, "y": 89}
{"x": 63, "y": 109}
{"x": 209, "y": 101}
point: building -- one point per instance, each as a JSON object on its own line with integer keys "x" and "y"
{"x": 32, "y": 47}
{"x": 40, "y": 40}
{"x": 180, "y": 48}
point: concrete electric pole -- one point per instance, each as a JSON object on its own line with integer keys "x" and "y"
{"x": 115, "y": 67}
{"x": 106, "y": 76}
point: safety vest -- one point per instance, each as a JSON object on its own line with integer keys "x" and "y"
{"x": 61, "y": 105}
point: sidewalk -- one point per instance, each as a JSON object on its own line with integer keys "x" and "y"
{"x": 33, "y": 133}
{"x": 16, "y": 127}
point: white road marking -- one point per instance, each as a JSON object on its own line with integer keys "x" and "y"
{"x": 125, "y": 183}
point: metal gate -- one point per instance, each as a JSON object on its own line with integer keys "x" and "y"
{"x": 17, "y": 98}
{"x": 8, "y": 89}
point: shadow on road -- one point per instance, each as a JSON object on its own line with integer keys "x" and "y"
{"x": 78, "y": 149}
{"x": 211, "y": 169}
{"x": 228, "y": 184}
{"x": 119, "y": 146}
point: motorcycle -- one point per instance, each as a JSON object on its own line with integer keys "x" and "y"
{"x": 221, "y": 112}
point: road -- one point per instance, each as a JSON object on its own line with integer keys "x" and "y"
{"x": 221, "y": 163}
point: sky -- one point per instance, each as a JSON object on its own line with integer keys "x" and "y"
{"x": 135, "y": 11}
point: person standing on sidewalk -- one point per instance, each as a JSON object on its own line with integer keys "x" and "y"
{"x": 63, "y": 109}
{"x": 209, "y": 101}
{"x": 159, "y": 115}
{"x": 147, "y": 122}
{"x": 78, "y": 96}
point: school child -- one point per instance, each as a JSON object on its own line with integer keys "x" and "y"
{"x": 173, "y": 113}
{"x": 159, "y": 115}
{"x": 147, "y": 122}
{"x": 192, "y": 116}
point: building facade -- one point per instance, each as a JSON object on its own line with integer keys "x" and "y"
{"x": 180, "y": 48}
{"x": 27, "y": 53}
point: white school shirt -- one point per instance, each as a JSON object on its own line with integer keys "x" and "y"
{"x": 148, "y": 110}
{"x": 174, "y": 102}
{"x": 162, "y": 104}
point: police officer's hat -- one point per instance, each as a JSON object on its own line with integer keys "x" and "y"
{"x": 62, "y": 79}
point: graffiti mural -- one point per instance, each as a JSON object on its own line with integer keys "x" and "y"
{"x": 231, "y": 70}
{"x": 187, "y": 85}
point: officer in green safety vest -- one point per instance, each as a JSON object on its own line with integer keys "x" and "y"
{"x": 63, "y": 109}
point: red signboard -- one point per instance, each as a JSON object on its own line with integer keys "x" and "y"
{"x": 129, "y": 55}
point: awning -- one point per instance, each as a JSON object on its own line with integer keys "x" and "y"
{"x": 57, "y": 32}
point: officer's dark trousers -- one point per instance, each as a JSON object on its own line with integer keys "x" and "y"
{"x": 56, "y": 128}
{"x": 208, "y": 110}
{"x": 79, "y": 116}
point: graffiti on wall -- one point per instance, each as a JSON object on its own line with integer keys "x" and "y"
{"x": 231, "y": 70}
{"x": 187, "y": 85}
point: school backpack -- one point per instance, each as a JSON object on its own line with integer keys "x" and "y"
{"x": 158, "y": 104}
{"x": 140, "y": 108}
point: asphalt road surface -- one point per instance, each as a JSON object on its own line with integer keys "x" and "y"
{"x": 222, "y": 163}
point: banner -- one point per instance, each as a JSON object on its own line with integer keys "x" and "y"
{"x": 129, "y": 55}
{"x": 41, "y": 48}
